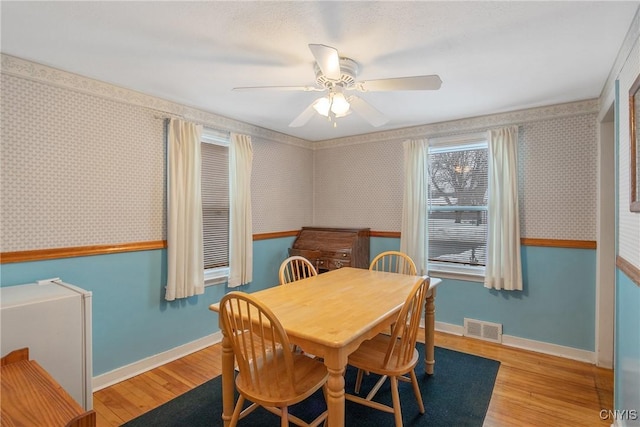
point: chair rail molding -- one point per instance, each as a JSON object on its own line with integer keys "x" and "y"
{"x": 56, "y": 253}
{"x": 629, "y": 269}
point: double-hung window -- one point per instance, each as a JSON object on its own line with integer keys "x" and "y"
{"x": 457, "y": 206}
{"x": 215, "y": 205}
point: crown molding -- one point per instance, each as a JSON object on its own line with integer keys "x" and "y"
{"x": 18, "y": 67}
{"x": 473, "y": 124}
{"x": 623, "y": 55}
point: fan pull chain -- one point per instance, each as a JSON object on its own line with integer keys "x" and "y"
{"x": 331, "y": 115}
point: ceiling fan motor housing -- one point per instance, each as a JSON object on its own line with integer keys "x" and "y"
{"x": 348, "y": 73}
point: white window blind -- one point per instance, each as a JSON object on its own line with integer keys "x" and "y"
{"x": 215, "y": 198}
{"x": 458, "y": 180}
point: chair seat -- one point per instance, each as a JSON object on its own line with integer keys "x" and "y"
{"x": 370, "y": 357}
{"x": 393, "y": 356}
{"x": 270, "y": 373}
{"x": 309, "y": 376}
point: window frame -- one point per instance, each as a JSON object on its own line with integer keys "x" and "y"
{"x": 216, "y": 275}
{"x": 443, "y": 269}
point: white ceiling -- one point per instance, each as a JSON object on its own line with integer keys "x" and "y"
{"x": 491, "y": 56}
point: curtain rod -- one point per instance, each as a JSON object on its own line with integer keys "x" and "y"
{"x": 166, "y": 116}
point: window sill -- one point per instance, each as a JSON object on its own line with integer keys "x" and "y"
{"x": 216, "y": 276}
{"x": 466, "y": 273}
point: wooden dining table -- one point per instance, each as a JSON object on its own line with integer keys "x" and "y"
{"x": 329, "y": 315}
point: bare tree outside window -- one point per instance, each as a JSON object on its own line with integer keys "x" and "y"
{"x": 458, "y": 181}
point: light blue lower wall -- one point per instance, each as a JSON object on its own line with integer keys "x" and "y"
{"x": 627, "y": 353}
{"x": 132, "y": 321}
{"x": 383, "y": 244}
{"x": 267, "y": 257}
{"x": 557, "y": 304}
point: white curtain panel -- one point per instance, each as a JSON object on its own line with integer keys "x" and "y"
{"x": 503, "y": 269}
{"x": 240, "y": 227}
{"x": 413, "y": 237}
{"x": 185, "y": 275}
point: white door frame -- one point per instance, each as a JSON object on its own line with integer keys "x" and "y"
{"x": 605, "y": 235}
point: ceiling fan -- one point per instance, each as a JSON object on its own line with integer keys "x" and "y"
{"x": 337, "y": 75}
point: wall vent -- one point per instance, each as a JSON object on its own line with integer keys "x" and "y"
{"x": 483, "y": 330}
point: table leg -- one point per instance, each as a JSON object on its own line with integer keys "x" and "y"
{"x": 429, "y": 332}
{"x": 227, "y": 380}
{"x": 335, "y": 395}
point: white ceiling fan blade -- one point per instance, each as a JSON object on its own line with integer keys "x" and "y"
{"x": 367, "y": 112}
{"x": 327, "y": 59}
{"x": 283, "y": 88}
{"x": 431, "y": 82}
{"x": 304, "y": 117}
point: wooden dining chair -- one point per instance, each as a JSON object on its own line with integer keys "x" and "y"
{"x": 393, "y": 356}
{"x": 394, "y": 262}
{"x": 269, "y": 373}
{"x": 295, "y": 268}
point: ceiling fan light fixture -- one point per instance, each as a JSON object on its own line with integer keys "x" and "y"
{"x": 340, "y": 105}
{"x": 337, "y": 103}
{"x": 322, "y": 106}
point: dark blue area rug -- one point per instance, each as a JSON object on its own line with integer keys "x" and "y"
{"x": 457, "y": 394}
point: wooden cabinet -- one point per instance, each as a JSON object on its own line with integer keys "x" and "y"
{"x": 333, "y": 248}
{"x": 32, "y": 397}
{"x": 52, "y": 319}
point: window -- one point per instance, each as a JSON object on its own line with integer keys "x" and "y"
{"x": 215, "y": 205}
{"x": 457, "y": 206}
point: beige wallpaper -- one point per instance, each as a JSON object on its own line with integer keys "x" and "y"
{"x": 557, "y": 178}
{"x": 83, "y": 163}
{"x": 629, "y": 222}
{"x": 77, "y": 170}
{"x": 281, "y": 186}
{"x": 361, "y": 184}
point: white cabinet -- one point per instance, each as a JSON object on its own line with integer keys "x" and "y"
{"x": 53, "y": 319}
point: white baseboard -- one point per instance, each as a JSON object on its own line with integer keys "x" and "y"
{"x": 449, "y": 328}
{"x": 136, "y": 368}
{"x": 551, "y": 349}
{"x": 104, "y": 380}
{"x": 527, "y": 344}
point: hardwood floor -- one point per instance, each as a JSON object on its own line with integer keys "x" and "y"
{"x": 532, "y": 389}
